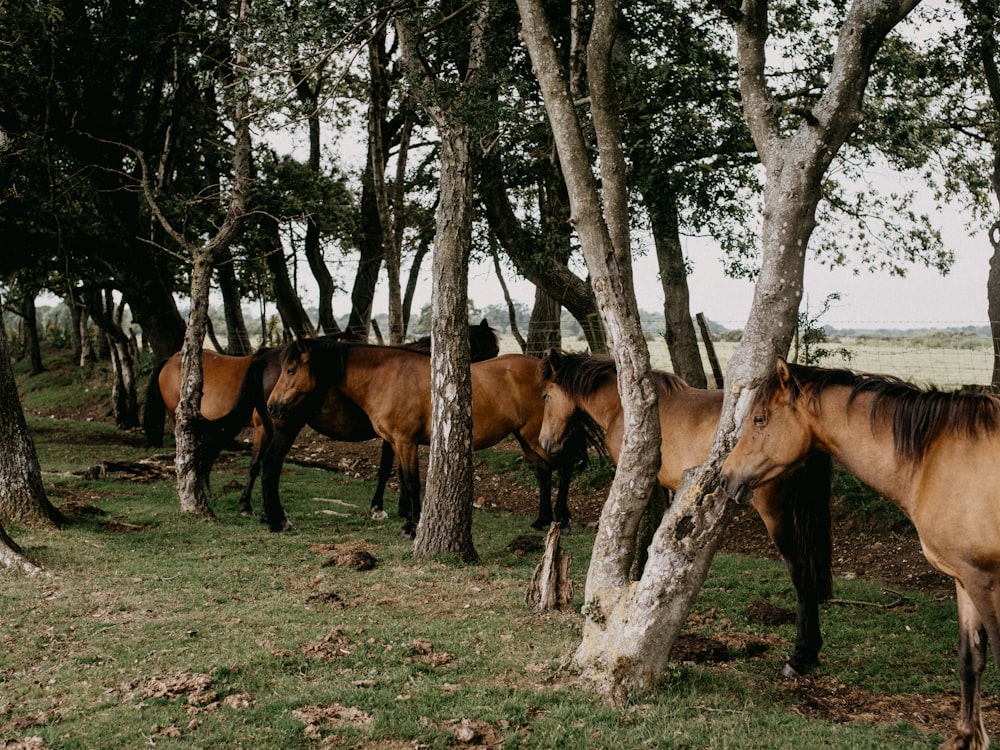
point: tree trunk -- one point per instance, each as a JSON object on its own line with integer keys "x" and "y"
{"x": 192, "y": 478}
{"x": 22, "y": 495}
{"x": 309, "y": 95}
{"x": 29, "y": 315}
{"x": 11, "y": 556}
{"x": 555, "y": 279}
{"x": 679, "y": 330}
{"x": 237, "y": 337}
{"x": 192, "y": 471}
{"x": 605, "y": 661}
{"x": 629, "y": 632}
{"x": 446, "y": 521}
{"x": 124, "y": 398}
{"x": 982, "y": 18}
{"x": 371, "y": 256}
{"x": 293, "y": 315}
{"x": 544, "y": 327}
{"x": 377, "y": 151}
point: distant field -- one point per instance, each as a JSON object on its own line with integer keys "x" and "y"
{"x": 968, "y": 362}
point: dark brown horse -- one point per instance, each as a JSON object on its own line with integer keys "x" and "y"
{"x": 933, "y": 453}
{"x": 233, "y": 386}
{"x": 795, "y": 511}
{"x": 393, "y": 387}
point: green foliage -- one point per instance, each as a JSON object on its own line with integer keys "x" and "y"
{"x": 809, "y": 336}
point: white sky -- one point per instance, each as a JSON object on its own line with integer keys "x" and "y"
{"x": 923, "y": 298}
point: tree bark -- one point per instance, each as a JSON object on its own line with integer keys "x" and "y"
{"x": 124, "y": 391}
{"x": 22, "y": 494}
{"x": 630, "y": 627}
{"x": 29, "y": 315}
{"x": 544, "y": 327}
{"x": 679, "y": 330}
{"x": 286, "y": 298}
{"x": 371, "y": 256}
{"x": 446, "y": 521}
{"x": 237, "y": 337}
{"x": 377, "y": 151}
{"x": 982, "y": 19}
{"x": 192, "y": 473}
{"x": 309, "y": 95}
{"x": 555, "y": 279}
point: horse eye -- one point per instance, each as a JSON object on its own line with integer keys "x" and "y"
{"x": 759, "y": 420}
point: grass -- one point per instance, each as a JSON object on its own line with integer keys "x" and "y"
{"x": 156, "y": 627}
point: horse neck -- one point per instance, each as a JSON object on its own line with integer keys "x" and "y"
{"x": 843, "y": 428}
{"x": 603, "y": 405}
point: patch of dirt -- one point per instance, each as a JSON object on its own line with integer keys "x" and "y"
{"x": 861, "y": 548}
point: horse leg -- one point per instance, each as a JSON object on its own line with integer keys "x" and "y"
{"x": 272, "y": 460}
{"x": 970, "y": 733}
{"x": 574, "y": 452}
{"x": 409, "y": 486}
{"x": 260, "y": 443}
{"x": 384, "y": 471}
{"x": 798, "y": 522}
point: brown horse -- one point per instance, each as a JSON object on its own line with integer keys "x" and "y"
{"x": 933, "y": 453}
{"x": 393, "y": 387}
{"x": 795, "y": 512}
{"x": 234, "y": 386}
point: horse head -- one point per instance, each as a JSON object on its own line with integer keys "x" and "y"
{"x": 560, "y": 408}
{"x": 776, "y": 434}
{"x": 296, "y": 380}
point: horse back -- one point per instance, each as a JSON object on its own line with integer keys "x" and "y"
{"x": 222, "y": 376}
{"x": 506, "y": 398}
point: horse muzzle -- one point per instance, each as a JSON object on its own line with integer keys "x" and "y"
{"x": 550, "y": 446}
{"x": 737, "y": 488}
{"x": 278, "y": 411}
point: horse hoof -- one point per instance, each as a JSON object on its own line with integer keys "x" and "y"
{"x": 379, "y": 515}
{"x": 789, "y": 672}
{"x": 246, "y": 513}
{"x": 541, "y": 525}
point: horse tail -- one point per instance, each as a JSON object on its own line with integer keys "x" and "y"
{"x": 218, "y": 433}
{"x": 809, "y": 487}
{"x": 154, "y": 413}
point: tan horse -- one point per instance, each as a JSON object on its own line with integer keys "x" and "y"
{"x": 392, "y": 386}
{"x": 795, "y": 512}
{"x": 932, "y": 453}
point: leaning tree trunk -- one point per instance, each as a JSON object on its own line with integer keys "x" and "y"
{"x": 630, "y": 629}
{"x": 192, "y": 480}
{"x": 237, "y": 337}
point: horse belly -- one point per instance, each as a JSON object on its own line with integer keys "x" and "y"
{"x": 340, "y": 418}
{"x": 957, "y": 514}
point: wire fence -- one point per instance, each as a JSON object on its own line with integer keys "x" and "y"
{"x": 941, "y": 357}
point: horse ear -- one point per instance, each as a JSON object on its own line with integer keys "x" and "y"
{"x": 784, "y": 374}
{"x": 484, "y": 324}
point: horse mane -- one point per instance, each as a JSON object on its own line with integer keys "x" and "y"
{"x": 917, "y": 415}
{"x": 483, "y": 342}
{"x": 581, "y": 374}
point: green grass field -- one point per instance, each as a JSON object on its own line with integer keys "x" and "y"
{"x": 157, "y": 628}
